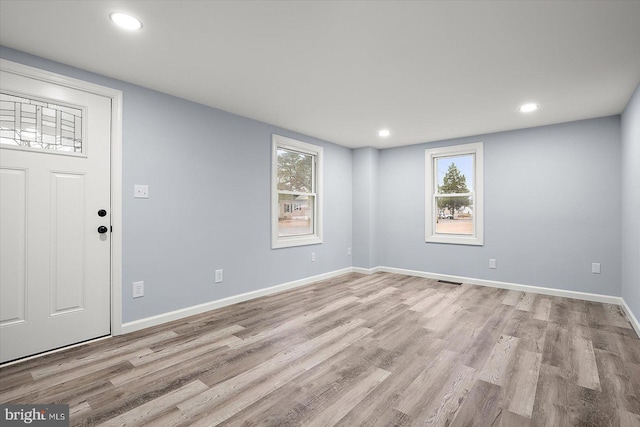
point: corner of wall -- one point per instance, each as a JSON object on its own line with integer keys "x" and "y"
{"x": 630, "y": 124}
{"x": 365, "y": 207}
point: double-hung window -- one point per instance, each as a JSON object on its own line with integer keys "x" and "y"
{"x": 454, "y": 194}
{"x": 296, "y": 193}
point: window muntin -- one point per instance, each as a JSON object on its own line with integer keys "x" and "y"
{"x": 296, "y": 193}
{"x": 453, "y": 197}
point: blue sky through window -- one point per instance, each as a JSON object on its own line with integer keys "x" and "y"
{"x": 463, "y": 163}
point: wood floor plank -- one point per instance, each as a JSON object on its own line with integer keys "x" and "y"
{"x": 584, "y": 363}
{"x": 499, "y": 361}
{"x": 356, "y": 350}
{"x": 380, "y": 294}
{"x": 264, "y": 388}
{"x": 542, "y": 309}
{"x": 628, "y": 419}
{"x": 426, "y": 382}
{"x": 117, "y": 364}
{"x": 423, "y": 305}
{"x": 197, "y": 408}
{"x": 512, "y": 298}
{"x": 530, "y": 331}
{"x": 526, "y": 302}
{"x": 616, "y": 316}
{"x": 211, "y": 340}
{"x": 339, "y": 409}
{"x": 481, "y": 406}
{"x": 481, "y": 344}
{"x": 380, "y": 410}
{"x": 306, "y": 395}
{"x": 109, "y": 354}
{"x": 523, "y": 383}
{"x": 413, "y": 298}
{"x": 439, "y": 322}
{"x": 165, "y": 362}
{"x": 157, "y": 406}
{"x": 442, "y": 406}
{"x": 296, "y": 322}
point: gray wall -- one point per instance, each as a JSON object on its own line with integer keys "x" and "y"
{"x": 552, "y": 204}
{"x": 631, "y": 203}
{"x": 208, "y": 173}
{"x": 552, "y": 207}
{"x": 365, "y": 207}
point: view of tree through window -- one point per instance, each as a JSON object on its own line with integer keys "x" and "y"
{"x": 454, "y": 194}
{"x": 296, "y": 193}
{"x": 295, "y": 171}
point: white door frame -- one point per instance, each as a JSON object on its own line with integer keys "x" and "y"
{"x": 116, "y": 170}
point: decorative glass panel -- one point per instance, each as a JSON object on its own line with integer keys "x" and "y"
{"x": 44, "y": 125}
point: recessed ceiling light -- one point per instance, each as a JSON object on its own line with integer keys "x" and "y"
{"x": 125, "y": 21}
{"x": 384, "y": 133}
{"x": 527, "y": 108}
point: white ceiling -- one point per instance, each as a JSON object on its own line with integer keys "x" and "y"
{"x": 340, "y": 71}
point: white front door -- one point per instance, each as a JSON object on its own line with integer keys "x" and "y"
{"x": 54, "y": 180}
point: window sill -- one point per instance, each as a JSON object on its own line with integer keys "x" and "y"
{"x": 455, "y": 240}
{"x": 288, "y": 242}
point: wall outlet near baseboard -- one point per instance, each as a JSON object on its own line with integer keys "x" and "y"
{"x": 349, "y": 251}
{"x": 492, "y": 263}
{"x": 218, "y": 278}
{"x": 595, "y": 267}
{"x": 138, "y": 289}
{"x": 313, "y": 257}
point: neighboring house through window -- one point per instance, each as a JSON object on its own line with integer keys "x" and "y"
{"x": 454, "y": 194}
{"x": 296, "y": 193}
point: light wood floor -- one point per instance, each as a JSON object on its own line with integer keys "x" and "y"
{"x": 356, "y": 350}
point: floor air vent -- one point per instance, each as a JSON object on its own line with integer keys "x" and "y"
{"x": 449, "y": 283}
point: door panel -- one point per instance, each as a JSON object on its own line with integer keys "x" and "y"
{"x": 13, "y": 233}
{"x": 68, "y": 207}
{"x": 55, "y": 176}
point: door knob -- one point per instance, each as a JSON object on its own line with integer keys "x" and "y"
{"x": 102, "y": 229}
{"x": 102, "y": 212}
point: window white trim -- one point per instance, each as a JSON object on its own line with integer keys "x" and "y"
{"x": 278, "y": 141}
{"x": 477, "y": 192}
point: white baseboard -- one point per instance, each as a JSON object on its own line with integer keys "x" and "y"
{"x": 211, "y": 305}
{"x": 159, "y": 319}
{"x": 632, "y": 318}
{"x": 505, "y": 285}
{"x": 365, "y": 270}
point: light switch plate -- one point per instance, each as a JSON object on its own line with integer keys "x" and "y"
{"x": 141, "y": 191}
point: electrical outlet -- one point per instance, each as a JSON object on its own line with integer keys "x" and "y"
{"x": 595, "y": 268}
{"x": 492, "y": 263}
{"x": 313, "y": 257}
{"x": 141, "y": 191}
{"x": 349, "y": 251}
{"x": 138, "y": 289}
{"x": 218, "y": 278}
